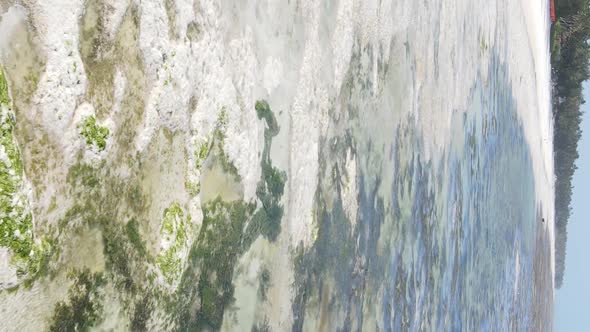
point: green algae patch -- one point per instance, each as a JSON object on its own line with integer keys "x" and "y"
{"x": 270, "y": 189}
{"x": 193, "y": 188}
{"x": 267, "y": 220}
{"x": 4, "y": 97}
{"x": 134, "y": 236}
{"x": 113, "y": 206}
{"x": 201, "y": 154}
{"x": 126, "y": 262}
{"x": 16, "y": 219}
{"x": 99, "y": 199}
{"x": 142, "y": 313}
{"x": 119, "y": 259}
{"x": 220, "y": 248}
{"x": 174, "y": 241}
{"x": 229, "y": 228}
{"x": 94, "y": 134}
{"x": 84, "y": 175}
{"x": 211, "y": 264}
{"x": 264, "y": 112}
{"x": 84, "y": 307}
{"x": 220, "y": 241}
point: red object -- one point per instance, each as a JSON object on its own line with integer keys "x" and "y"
{"x": 552, "y": 6}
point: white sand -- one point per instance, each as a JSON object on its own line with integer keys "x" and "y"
{"x": 535, "y": 111}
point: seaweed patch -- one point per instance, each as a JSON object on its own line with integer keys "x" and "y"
{"x": 94, "y": 134}
{"x": 28, "y": 253}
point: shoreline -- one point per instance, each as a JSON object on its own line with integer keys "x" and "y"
{"x": 538, "y": 122}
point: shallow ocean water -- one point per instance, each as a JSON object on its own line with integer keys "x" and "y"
{"x": 452, "y": 248}
{"x": 391, "y": 188}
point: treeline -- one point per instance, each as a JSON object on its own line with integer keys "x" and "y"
{"x": 570, "y": 54}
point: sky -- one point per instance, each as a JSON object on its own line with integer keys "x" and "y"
{"x": 572, "y": 300}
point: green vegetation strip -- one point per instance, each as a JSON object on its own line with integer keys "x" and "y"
{"x": 173, "y": 231}
{"x": 16, "y": 220}
{"x": 570, "y": 56}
